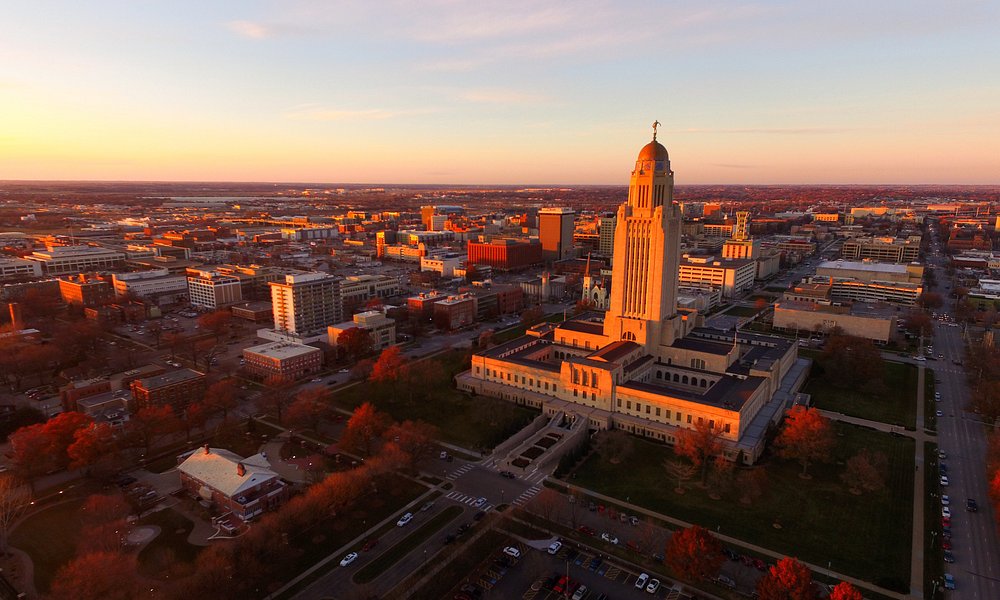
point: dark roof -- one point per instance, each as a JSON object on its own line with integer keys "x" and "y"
{"x": 729, "y": 392}
{"x": 170, "y": 378}
{"x": 706, "y": 346}
{"x": 615, "y": 351}
{"x": 583, "y": 327}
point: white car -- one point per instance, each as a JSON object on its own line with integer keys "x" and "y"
{"x": 654, "y": 585}
{"x": 480, "y": 503}
{"x": 944, "y": 480}
{"x": 512, "y": 552}
{"x": 580, "y": 593}
{"x": 404, "y": 519}
{"x": 607, "y": 537}
{"x": 945, "y": 500}
{"x": 348, "y": 559}
{"x": 554, "y": 547}
{"x": 939, "y": 413}
{"x": 640, "y": 582}
{"x": 945, "y": 512}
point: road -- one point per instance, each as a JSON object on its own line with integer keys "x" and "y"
{"x": 962, "y": 436}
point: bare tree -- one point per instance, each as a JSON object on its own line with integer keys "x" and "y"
{"x": 14, "y": 499}
{"x": 680, "y": 472}
{"x": 546, "y": 502}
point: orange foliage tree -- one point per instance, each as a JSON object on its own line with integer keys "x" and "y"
{"x": 845, "y": 591}
{"x": 393, "y": 370}
{"x": 787, "y": 580}
{"x": 97, "y": 576}
{"x": 806, "y": 437}
{"x": 699, "y": 445}
{"x": 694, "y": 554}
{"x": 364, "y": 427}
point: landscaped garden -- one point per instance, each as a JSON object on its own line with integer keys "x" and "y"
{"x": 168, "y": 555}
{"x": 817, "y": 520}
{"x": 894, "y": 401}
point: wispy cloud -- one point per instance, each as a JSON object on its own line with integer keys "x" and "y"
{"x": 257, "y": 31}
{"x": 314, "y": 112}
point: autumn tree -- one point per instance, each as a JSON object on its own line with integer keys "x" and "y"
{"x": 311, "y": 405}
{"x": 546, "y": 502}
{"x": 680, "y": 472}
{"x": 392, "y": 370}
{"x": 152, "y": 423}
{"x": 196, "y": 415}
{"x": 694, "y": 554}
{"x": 807, "y": 437}
{"x": 614, "y": 445}
{"x": 362, "y": 370}
{"x": 416, "y": 439}
{"x": 15, "y": 497}
{"x": 845, "y": 591}
{"x": 104, "y": 523}
{"x": 852, "y": 362}
{"x": 787, "y": 580}
{"x": 30, "y": 452}
{"x": 865, "y": 472}
{"x": 918, "y": 321}
{"x": 985, "y": 399}
{"x": 699, "y": 445}
{"x": 222, "y": 396}
{"x": 721, "y": 477}
{"x": 364, "y": 427}
{"x": 97, "y": 576}
{"x": 930, "y": 300}
{"x": 93, "y": 447}
{"x": 485, "y": 339}
{"x": 356, "y": 343}
{"x": 61, "y": 431}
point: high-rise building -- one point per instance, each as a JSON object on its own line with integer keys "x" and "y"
{"x": 209, "y": 289}
{"x": 606, "y": 234}
{"x": 555, "y": 231}
{"x": 306, "y": 303}
{"x": 741, "y": 246}
{"x": 643, "y": 367}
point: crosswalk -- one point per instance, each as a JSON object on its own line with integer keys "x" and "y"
{"x": 527, "y": 495}
{"x": 466, "y": 499}
{"x": 460, "y": 471}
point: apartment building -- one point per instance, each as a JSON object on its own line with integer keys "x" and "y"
{"x": 213, "y": 290}
{"x": 306, "y": 303}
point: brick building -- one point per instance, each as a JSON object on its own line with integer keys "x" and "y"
{"x": 505, "y": 254}
{"x": 287, "y": 360}
{"x": 86, "y": 290}
{"x": 245, "y": 487}
{"x": 177, "y": 389}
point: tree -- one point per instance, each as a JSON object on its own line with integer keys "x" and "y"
{"x": 155, "y": 329}
{"x": 362, "y": 370}
{"x": 61, "y": 431}
{"x": 699, "y": 445}
{"x": 806, "y": 437}
{"x": 985, "y": 399}
{"x": 195, "y": 416}
{"x": 614, "y": 445}
{"x": 311, "y": 405}
{"x": 92, "y": 445}
{"x": 852, "y": 362}
{"x": 365, "y": 426}
{"x": 355, "y": 342}
{"x": 391, "y": 369}
{"x": 865, "y": 472}
{"x": 721, "y": 477}
{"x": 845, "y": 591}
{"x": 152, "y": 423}
{"x": 787, "y": 580}
{"x": 97, "y": 576}
{"x": 31, "y": 454}
{"x": 217, "y": 322}
{"x": 918, "y": 321}
{"x": 680, "y": 472}
{"x": 546, "y": 502}
{"x": 105, "y": 528}
{"x": 751, "y": 484}
{"x": 222, "y": 396}
{"x": 14, "y": 499}
{"x": 694, "y": 554}
{"x": 416, "y": 439}
{"x": 277, "y": 395}
{"x": 931, "y": 300}
{"x": 532, "y": 316}
{"x": 485, "y": 339}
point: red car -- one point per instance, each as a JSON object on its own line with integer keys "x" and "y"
{"x": 759, "y": 564}
{"x": 369, "y": 545}
{"x": 586, "y": 530}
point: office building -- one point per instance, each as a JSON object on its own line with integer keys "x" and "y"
{"x": 876, "y": 322}
{"x": 213, "y": 290}
{"x": 380, "y": 328}
{"x": 606, "y": 234}
{"x": 86, "y": 290}
{"x": 18, "y": 268}
{"x": 505, "y": 254}
{"x": 555, "y": 232}
{"x": 159, "y": 285}
{"x": 287, "y": 360}
{"x": 306, "y": 303}
{"x": 883, "y": 249}
{"x": 70, "y": 260}
{"x": 176, "y": 389}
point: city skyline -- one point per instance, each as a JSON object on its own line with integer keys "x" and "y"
{"x": 458, "y": 93}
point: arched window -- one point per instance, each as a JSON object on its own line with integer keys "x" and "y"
{"x": 684, "y": 379}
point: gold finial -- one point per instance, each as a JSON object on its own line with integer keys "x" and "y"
{"x": 655, "y": 125}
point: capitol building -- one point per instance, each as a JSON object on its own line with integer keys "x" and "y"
{"x": 645, "y": 366}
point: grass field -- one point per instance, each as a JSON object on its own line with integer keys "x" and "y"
{"x": 475, "y": 423}
{"x": 391, "y": 556}
{"x": 820, "y": 521}
{"x": 933, "y": 552}
{"x": 930, "y": 405}
{"x": 169, "y": 555}
{"x": 49, "y": 537}
{"x": 895, "y": 403}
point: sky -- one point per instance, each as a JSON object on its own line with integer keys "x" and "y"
{"x": 511, "y": 92}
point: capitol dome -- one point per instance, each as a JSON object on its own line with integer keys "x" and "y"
{"x": 653, "y": 151}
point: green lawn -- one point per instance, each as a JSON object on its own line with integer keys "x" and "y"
{"x": 393, "y": 555}
{"x": 930, "y": 405}
{"x": 168, "y": 555}
{"x": 933, "y": 552}
{"x": 475, "y": 423}
{"x": 895, "y": 403}
{"x": 742, "y": 311}
{"x": 865, "y": 536}
{"x": 50, "y": 538}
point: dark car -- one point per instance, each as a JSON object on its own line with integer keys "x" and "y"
{"x": 479, "y": 515}
{"x": 449, "y": 538}
{"x": 971, "y": 505}
{"x": 949, "y": 557}
{"x": 586, "y": 530}
{"x": 507, "y": 474}
{"x": 731, "y": 554}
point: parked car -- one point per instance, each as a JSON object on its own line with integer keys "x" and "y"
{"x": 404, "y": 519}
{"x": 554, "y": 547}
{"x": 580, "y": 592}
{"x": 586, "y": 530}
{"x": 640, "y": 582}
{"x": 480, "y": 502}
{"x": 507, "y": 474}
{"x": 348, "y": 559}
{"x": 946, "y": 512}
{"x": 949, "y": 581}
{"x": 945, "y": 500}
{"x": 971, "y": 505}
{"x": 944, "y": 481}
{"x": 948, "y": 556}
{"x": 607, "y": 537}
{"x": 653, "y": 586}
{"x": 512, "y": 552}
